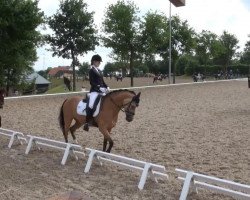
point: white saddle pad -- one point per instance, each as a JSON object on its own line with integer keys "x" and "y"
{"x": 82, "y": 106}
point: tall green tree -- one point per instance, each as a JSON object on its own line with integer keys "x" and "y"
{"x": 183, "y": 41}
{"x": 83, "y": 70}
{"x": 122, "y": 33}
{"x": 19, "y": 38}
{"x": 74, "y": 32}
{"x": 245, "y": 58}
{"x": 228, "y": 43}
{"x": 205, "y": 47}
{"x": 153, "y": 34}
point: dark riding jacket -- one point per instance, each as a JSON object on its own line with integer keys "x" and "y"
{"x": 96, "y": 80}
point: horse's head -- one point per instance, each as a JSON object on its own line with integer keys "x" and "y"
{"x": 2, "y": 94}
{"x": 130, "y": 106}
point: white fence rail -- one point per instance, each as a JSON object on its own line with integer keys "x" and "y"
{"x": 129, "y": 88}
{"x": 14, "y": 135}
{"x": 68, "y": 148}
{"x": 156, "y": 171}
{"x": 194, "y": 181}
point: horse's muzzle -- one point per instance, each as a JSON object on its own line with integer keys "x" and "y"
{"x": 129, "y": 117}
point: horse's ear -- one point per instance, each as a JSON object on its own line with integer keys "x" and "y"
{"x": 136, "y": 98}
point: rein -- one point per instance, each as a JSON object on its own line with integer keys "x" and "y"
{"x": 122, "y": 107}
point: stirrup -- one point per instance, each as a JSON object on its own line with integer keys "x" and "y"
{"x": 86, "y": 127}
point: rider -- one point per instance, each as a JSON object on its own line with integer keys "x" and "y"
{"x": 98, "y": 86}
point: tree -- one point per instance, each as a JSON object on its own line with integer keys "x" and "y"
{"x": 205, "y": 47}
{"x": 83, "y": 70}
{"x": 228, "y": 43}
{"x": 122, "y": 33}
{"x": 183, "y": 41}
{"x": 74, "y": 32}
{"x": 245, "y": 58}
{"x": 44, "y": 73}
{"x": 19, "y": 38}
{"x": 153, "y": 34}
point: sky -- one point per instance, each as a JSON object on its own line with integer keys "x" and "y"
{"x": 212, "y": 15}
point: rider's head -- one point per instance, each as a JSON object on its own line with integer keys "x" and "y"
{"x": 96, "y": 60}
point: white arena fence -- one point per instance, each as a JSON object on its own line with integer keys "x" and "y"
{"x": 14, "y": 135}
{"x": 129, "y": 88}
{"x": 191, "y": 180}
{"x": 194, "y": 180}
{"x": 146, "y": 168}
{"x": 68, "y": 148}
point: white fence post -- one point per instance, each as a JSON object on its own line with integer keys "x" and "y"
{"x": 90, "y": 160}
{"x": 186, "y": 185}
{"x": 144, "y": 167}
{"x": 13, "y": 135}
{"x": 226, "y": 187}
{"x": 144, "y": 176}
{"x": 66, "y": 147}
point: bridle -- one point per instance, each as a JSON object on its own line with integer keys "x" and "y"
{"x": 122, "y": 107}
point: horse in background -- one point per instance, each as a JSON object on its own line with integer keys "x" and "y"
{"x": 198, "y": 77}
{"x": 2, "y": 94}
{"x": 114, "y": 102}
{"x": 67, "y": 83}
{"x": 119, "y": 77}
{"x": 157, "y": 78}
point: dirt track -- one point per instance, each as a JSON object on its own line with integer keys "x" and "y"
{"x": 200, "y": 127}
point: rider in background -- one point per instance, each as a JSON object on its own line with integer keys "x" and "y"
{"x": 98, "y": 86}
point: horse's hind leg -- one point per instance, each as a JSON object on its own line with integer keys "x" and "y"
{"x": 66, "y": 129}
{"x": 65, "y": 134}
{"x": 73, "y": 128}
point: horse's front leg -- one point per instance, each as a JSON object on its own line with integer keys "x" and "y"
{"x": 111, "y": 143}
{"x": 107, "y": 139}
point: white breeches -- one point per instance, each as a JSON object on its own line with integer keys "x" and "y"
{"x": 92, "y": 98}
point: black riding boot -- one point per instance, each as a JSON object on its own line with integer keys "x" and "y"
{"x": 89, "y": 113}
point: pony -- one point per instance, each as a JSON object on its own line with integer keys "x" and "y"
{"x": 119, "y": 77}
{"x": 2, "y": 94}
{"x": 156, "y": 78}
{"x": 118, "y": 100}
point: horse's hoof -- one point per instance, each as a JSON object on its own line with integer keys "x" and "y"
{"x": 86, "y": 127}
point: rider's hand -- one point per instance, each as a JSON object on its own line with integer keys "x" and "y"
{"x": 103, "y": 90}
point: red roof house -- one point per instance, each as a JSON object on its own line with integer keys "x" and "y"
{"x": 60, "y": 71}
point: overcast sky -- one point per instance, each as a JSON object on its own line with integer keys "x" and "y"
{"x": 213, "y": 15}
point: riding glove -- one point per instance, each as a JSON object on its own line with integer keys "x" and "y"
{"x": 104, "y": 90}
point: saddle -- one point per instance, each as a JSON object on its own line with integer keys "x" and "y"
{"x": 96, "y": 108}
{"x": 97, "y": 100}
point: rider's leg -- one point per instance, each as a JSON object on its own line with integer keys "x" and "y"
{"x": 89, "y": 109}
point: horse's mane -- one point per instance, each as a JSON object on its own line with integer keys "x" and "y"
{"x": 116, "y": 91}
{"x": 121, "y": 90}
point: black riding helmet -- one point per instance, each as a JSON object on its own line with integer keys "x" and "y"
{"x": 96, "y": 58}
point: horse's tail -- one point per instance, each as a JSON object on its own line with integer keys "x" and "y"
{"x": 61, "y": 117}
